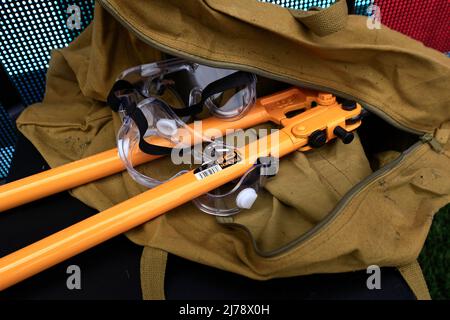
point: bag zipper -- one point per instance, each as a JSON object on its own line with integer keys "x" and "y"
{"x": 354, "y": 191}
{"x": 218, "y": 64}
{"x": 424, "y": 137}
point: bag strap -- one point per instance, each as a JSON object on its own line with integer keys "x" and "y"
{"x": 153, "y": 270}
{"x": 412, "y": 273}
{"x": 323, "y": 21}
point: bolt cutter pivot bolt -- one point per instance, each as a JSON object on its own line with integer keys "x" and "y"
{"x": 343, "y": 134}
{"x": 317, "y": 139}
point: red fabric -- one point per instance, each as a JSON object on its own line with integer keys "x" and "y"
{"x": 424, "y": 20}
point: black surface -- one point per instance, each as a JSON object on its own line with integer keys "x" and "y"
{"x": 111, "y": 270}
{"x": 351, "y": 6}
{"x": 9, "y": 96}
{"x": 187, "y": 280}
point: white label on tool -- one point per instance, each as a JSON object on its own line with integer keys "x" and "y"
{"x": 207, "y": 172}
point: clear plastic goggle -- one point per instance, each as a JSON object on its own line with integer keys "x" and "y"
{"x": 162, "y": 88}
{"x": 180, "y": 83}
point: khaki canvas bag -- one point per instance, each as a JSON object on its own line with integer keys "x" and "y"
{"x": 335, "y": 209}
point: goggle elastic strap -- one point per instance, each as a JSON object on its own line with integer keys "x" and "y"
{"x": 122, "y": 88}
{"x": 116, "y": 99}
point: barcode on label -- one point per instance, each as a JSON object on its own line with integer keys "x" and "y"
{"x": 207, "y": 172}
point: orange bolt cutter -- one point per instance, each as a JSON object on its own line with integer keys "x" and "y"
{"x": 108, "y": 162}
{"x": 308, "y": 119}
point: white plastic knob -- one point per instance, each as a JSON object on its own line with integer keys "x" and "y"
{"x": 167, "y": 127}
{"x": 246, "y": 198}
